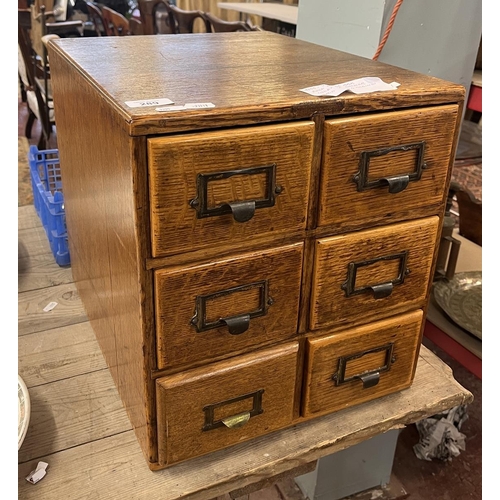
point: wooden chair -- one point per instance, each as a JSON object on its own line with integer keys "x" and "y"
{"x": 220, "y": 26}
{"x": 470, "y": 213}
{"x": 115, "y": 24}
{"x": 154, "y": 17}
{"x": 182, "y": 21}
{"x": 95, "y": 17}
{"x": 38, "y": 91}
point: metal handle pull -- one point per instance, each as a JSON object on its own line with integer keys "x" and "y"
{"x": 236, "y": 420}
{"x": 242, "y": 211}
{"x": 397, "y": 183}
{"x": 381, "y": 291}
{"x": 370, "y": 379}
{"x": 237, "y": 324}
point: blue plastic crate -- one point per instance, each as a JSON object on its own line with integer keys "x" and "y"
{"x": 48, "y": 200}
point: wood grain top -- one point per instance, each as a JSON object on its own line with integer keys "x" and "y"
{"x": 251, "y": 78}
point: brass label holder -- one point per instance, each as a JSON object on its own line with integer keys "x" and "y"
{"x": 233, "y": 421}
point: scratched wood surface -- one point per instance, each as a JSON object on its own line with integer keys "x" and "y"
{"x": 80, "y": 428}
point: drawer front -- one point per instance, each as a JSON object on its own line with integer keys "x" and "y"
{"x": 217, "y": 187}
{"x": 385, "y": 168}
{"x": 210, "y": 408}
{"x": 372, "y": 274}
{"x": 361, "y": 364}
{"x": 209, "y": 311}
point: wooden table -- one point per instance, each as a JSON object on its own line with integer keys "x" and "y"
{"x": 80, "y": 428}
{"x": 279, "y": 18}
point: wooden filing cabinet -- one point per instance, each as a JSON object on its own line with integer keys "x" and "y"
{"x": 261, "y": 262}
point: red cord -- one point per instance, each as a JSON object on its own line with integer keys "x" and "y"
{"x": 388, "y": 29}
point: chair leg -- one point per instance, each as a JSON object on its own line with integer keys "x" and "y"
{"x": 29, "y": 124}
{"x": 42, "y": 142}
{"x": 22, "y": 88}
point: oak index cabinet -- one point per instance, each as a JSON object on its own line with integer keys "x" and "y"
{"x": 260, "y": 261}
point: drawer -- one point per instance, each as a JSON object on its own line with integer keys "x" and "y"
{"x": 371, "y": 274}
{"x": 360, "y": 364}
{"x": 219, "y": 187}
{"x": 206, "y": 312}
{"x": 386, "y": 167}
{"x": 210, "y": 408}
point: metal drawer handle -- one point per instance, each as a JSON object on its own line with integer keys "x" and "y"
{"x": 242, "y": 210}
{"x": 396, "y": 183}
{"x": 379, "y": 290}
{"x": 369, "y": 378}
{"x": 382, "y": 291}
{"x": 237, "y": 324}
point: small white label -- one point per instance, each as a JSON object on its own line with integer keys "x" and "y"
{"x": 199, "y": 105}
{"x": 39, "y": 473}
{"x": 189, "y": 105}
{"x": 148, "y": 102}
{"x": 50, "y": 306}
{"x": 171, "y": 108}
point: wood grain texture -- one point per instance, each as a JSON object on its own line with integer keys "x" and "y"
{"x": 322, "y": 394}
{"x": 252, "y": 77}
{"x": 101, "y": 213}
{"x": 329, "y": 304}
{"x": 344, "y": 207}
{"x": 176, "y": 291}
{"x": 68, "y": 311}
{"x": 182, "y": 397}
{"x": 58, "y": 353}
{"x": 73, "y": 422}
{"x": 176, "y": 161}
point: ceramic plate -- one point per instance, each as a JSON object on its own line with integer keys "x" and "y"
{"x": 461, "y": 299}
{"x": 23, "y": 409}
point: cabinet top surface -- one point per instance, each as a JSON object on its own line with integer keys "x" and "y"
{"x": 249, "y": 77}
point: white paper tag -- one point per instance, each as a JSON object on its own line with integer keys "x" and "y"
{"x": 39, "y": 473}
{"x": 189, "y": 105}
{"x": 49, "y": 306}
{"x": 148, "y": 102}
{"x": 170, "y": 108}
{"x": 359, "y": 86}
{"x": 199, "y": 105}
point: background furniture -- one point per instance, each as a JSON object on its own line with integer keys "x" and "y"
{"x": 115, "y": 24}
{"x": 79, "y": 424}
{"x": 276, "y": 17}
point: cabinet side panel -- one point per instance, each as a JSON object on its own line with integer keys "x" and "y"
{"x": 97, "y": 162}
